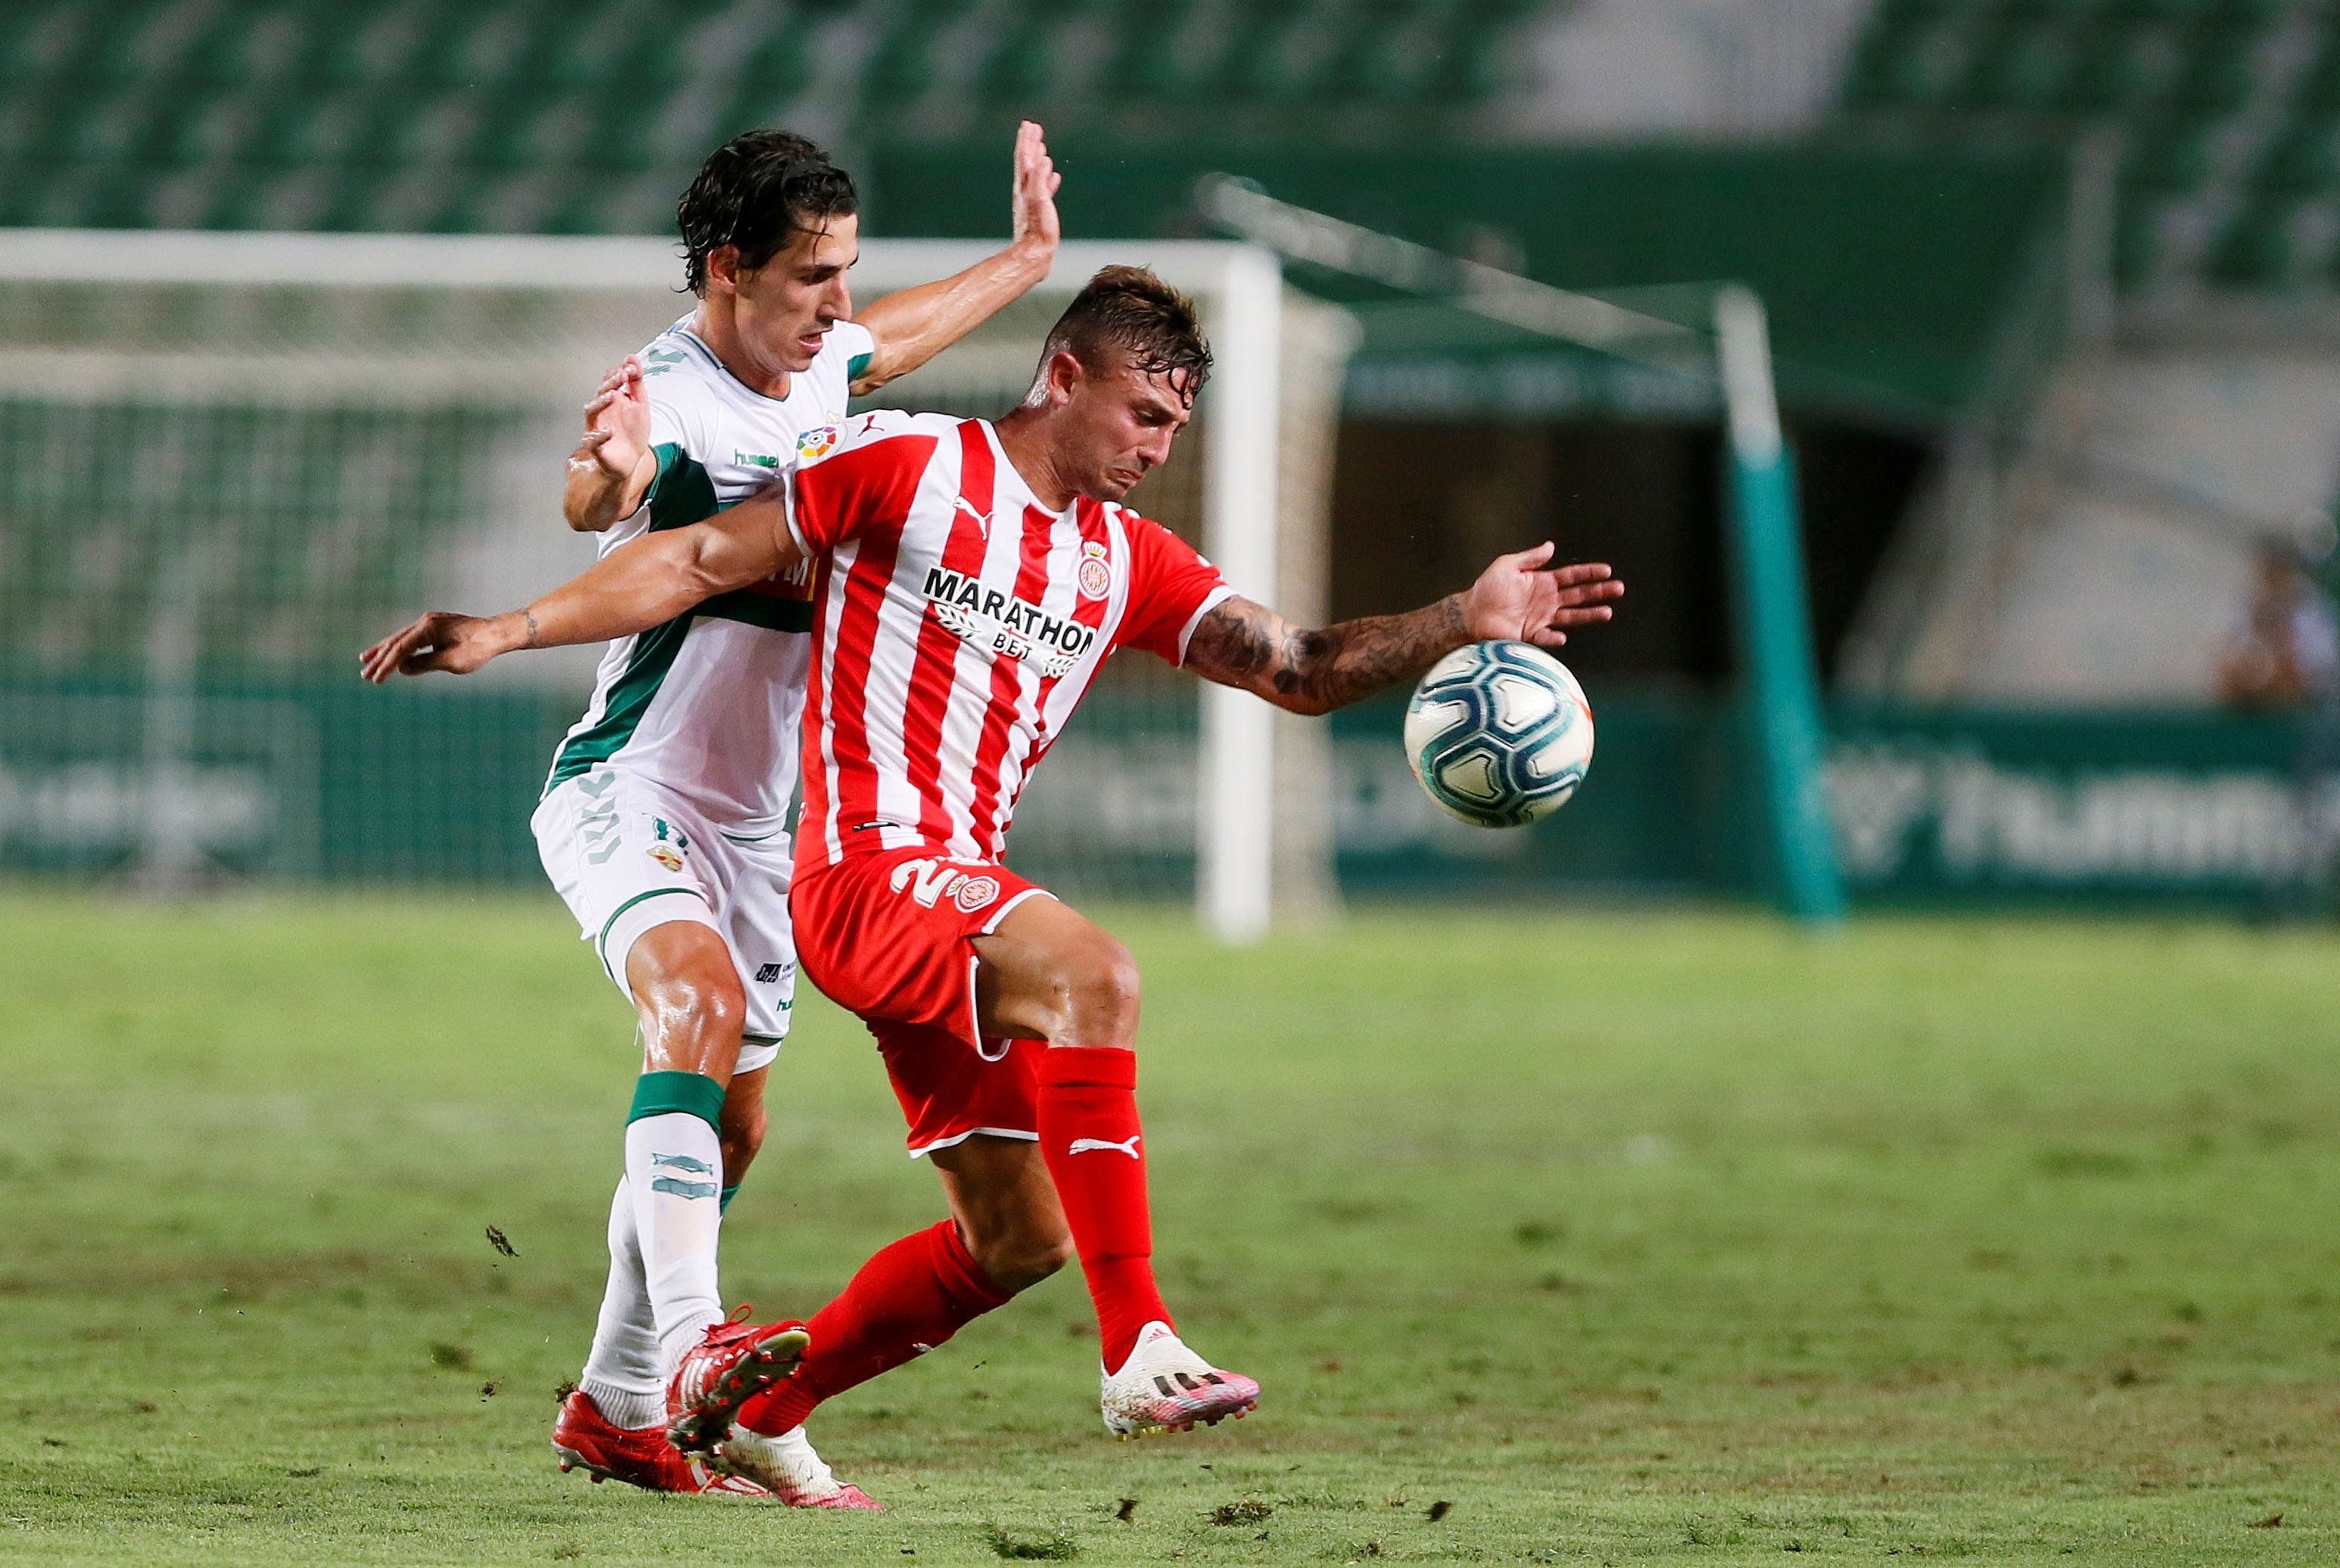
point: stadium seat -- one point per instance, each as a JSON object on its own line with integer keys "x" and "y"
{"x": 1144, "y": 61}
{"x": 2175, "y": 157}
{"x": 1257, "y": 59}
{"x": 194, "y": 128}
{"x": 246, "y": 49}
{"x": 1364, "y": 66}
{"x": 2305, "y": 156}
{"x": 2025, "y": 70}
{"x": 1470, "y": 65}
{"x": 2218, "y": 76}
{"x": 2254, "y": 250}
{"x": 1020, "y": 73}
{"x": 2127, "y": 71}
{"x": 2137, "y": 243}
{"x": 901, "y": 69}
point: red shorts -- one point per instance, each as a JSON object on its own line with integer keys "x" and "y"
{"x": 888, "y": 935}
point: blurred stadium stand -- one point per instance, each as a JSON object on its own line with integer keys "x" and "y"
{"x": 2228, "y": 113}
{"x": 589, "y": 115}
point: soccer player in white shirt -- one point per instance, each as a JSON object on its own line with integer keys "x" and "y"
{"x": 663, "y": 822}
{"x": 971, "y": 578}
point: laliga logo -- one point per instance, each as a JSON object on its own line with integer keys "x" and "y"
{"x": 931, "y": 881}
{"x": 1096, "y": 573}
{"x": 818, "y": 442}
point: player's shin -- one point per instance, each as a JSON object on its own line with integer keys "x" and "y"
{"x": 1090, "y": 1137}
{"x": 910, "y": 1297}
{"x": 674, "y": 1170}
{"x": 622, "y": 1373}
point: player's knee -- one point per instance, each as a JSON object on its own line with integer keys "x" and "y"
{"x": 1102, "y": 1001}
{"x": 691, "y": 1006}
{"x": 1019, "y": 1259}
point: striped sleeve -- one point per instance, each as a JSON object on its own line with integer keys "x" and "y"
{"x": 1171, "y": 587}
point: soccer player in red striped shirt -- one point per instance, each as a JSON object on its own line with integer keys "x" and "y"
{"x": 972, "y": 578}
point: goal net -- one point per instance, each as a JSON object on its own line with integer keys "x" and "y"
{"x": 228, "y": 461}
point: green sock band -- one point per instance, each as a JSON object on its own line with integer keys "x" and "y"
{"x": 723, "y": 1199}
{"x": 692, "y": 1094}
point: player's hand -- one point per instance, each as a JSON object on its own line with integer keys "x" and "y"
{"x": 1033, "y": 206}
{"x": 1521, "y": 598}
{"x": 617, "y": 424}
{"x": 456, "y": 644}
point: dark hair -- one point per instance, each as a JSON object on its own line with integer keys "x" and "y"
{"x": 757, "y": 191}
{"x": 1138, "y": 314}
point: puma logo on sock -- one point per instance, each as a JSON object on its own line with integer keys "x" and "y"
{"x": 1127, "y": 1146}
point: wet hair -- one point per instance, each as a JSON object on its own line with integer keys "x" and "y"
{"x": 759, "y": 190}
{"x": 1130, "y": 309}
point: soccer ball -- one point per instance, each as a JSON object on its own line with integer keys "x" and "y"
{"x": 1499, "y": 733}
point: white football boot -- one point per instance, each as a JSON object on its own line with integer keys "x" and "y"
{"x": 1165, "y": 1387}
{"x": 787, "y": 1466}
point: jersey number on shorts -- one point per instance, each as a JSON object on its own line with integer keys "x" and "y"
{"x": 932, "y": 881}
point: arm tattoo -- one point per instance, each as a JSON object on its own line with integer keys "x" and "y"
{"x": 530, "y": 616}
{"x": 1244, "y": 644}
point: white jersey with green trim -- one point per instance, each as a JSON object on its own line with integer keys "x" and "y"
{"x": 710, "y": 703}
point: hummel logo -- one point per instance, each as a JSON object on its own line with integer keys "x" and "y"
{"x": 1127, "y": 1146}
{"x": 982, "y": 519}
{"x": 681, "y": 1185}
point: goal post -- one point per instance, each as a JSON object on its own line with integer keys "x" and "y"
{"x": 1774, "y": 621}
{"x": 227, "y": 459}
{"x": 1730, "y": 354}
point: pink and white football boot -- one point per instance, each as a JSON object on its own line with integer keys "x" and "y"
{"x": 734, "y": 1362}
{"x": 787, "y": 1466}
{"x": 1165, "y": 1387}
{"x": 584, "y": 1439}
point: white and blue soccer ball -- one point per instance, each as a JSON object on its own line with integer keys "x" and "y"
{"x": 1499, "y": 733}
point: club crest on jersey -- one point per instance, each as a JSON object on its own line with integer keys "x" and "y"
{"x": 931, "y": 881}
{"x": 1005, "y": 625}
{"x": 1094, "y": 575}
{"x": 816, "y": 442}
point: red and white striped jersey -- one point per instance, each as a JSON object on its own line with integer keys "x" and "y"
{"x": 956, "y": 623}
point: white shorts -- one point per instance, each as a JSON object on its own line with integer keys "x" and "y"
{"x": 626, "y": 855}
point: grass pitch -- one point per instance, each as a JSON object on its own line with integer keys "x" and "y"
{"x": 1604, "y": 1238}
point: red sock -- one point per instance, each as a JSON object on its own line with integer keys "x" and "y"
{"x": 909, "y": 1298}
{"x": 1089, "y": 1136}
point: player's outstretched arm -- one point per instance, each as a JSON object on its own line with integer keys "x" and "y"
{"x": 612, "y": 469}
{"x": 1251, "y": 647}
{"x": 916, "y": 324}
{"x": 635, "y": 587}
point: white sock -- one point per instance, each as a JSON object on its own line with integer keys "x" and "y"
{"x": 674, "y": 1171}
{"x": 621, "y": 1373}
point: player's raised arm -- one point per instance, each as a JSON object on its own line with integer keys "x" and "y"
{"x": 635, "y": 587}
{"x": 914, "y": 325}
{"x": 611, "y": 470}
{"x": 1249, "y": 646}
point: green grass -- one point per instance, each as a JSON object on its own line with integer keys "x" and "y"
{"x": 1608, "y": 1238}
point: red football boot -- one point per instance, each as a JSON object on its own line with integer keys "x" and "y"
{"x": 639, "y": 1456}
{"x": 723, "y": 1372}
